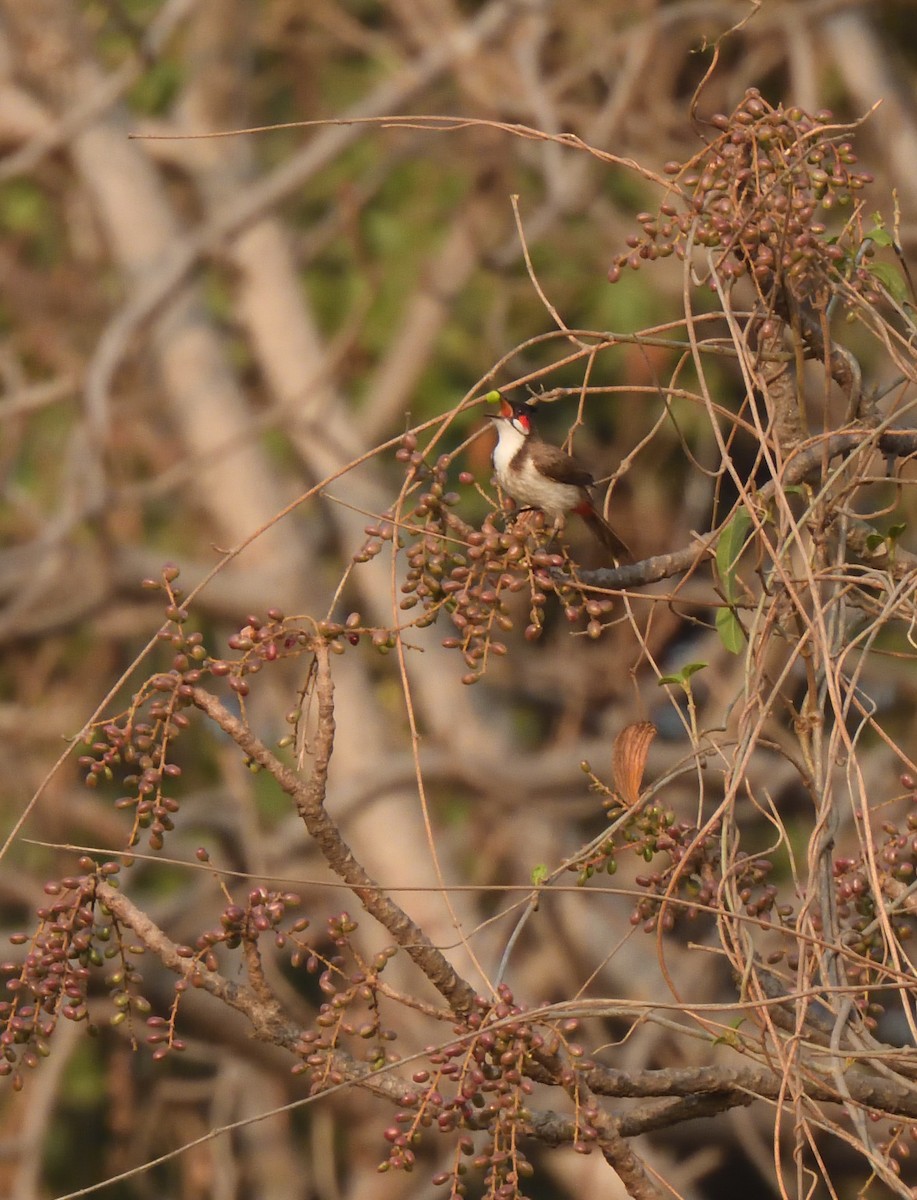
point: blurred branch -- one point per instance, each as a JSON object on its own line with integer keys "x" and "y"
{"x": 864, "y": 65}
{"x": 262, "y": 196}
{"x": 99, "y": 99}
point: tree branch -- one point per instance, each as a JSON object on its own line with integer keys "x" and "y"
{"x": 893, "y": 443}
{"x": 893, "y": 1096}
{"x": 309, "y": 798}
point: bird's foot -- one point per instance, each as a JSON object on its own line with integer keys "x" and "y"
{"x": 527, "y": 521}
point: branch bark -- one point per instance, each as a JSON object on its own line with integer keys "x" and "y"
{"x": 309, "y": 798}
{"x": 893, "y": 443}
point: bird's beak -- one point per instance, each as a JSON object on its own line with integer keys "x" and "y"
{"x": 506, "y": 409}
{"x": 505, "y": 413}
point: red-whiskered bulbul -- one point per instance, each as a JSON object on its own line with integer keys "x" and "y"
{"x": 538, "y": 475}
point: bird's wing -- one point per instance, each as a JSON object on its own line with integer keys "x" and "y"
{"x": 558, "y": 465}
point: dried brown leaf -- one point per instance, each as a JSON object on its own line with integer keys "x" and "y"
{"x": 628, "y": 760}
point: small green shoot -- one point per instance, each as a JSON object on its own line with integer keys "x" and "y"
{"x": 732, "y": 542}
{"x": 683, "y": 676}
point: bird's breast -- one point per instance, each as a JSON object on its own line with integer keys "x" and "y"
{"x": 520, "y": 478}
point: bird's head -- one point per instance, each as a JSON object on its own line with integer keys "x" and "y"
{"x": 517, "y": 413}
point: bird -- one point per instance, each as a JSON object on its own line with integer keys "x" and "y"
{"x": 538, "y": 475}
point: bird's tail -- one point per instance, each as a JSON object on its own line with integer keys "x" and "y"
{"x": 600, "y": 529}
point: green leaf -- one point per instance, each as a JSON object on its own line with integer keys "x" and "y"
{"x": 890, "y": 280}
{"x": 684, "y": 674}
{"x": 730, "y": 630}
{"x": 879, "y": 234}
{"x": 539, "y": 874}
{"x": 731, "y": 1038}
{"x": 889, "y": 539}
{"x": 729, "y": 549}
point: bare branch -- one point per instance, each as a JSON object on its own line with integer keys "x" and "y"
{"x": 309, "y": 798}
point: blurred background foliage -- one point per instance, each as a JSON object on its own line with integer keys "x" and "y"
{"x": 192, "y": 332}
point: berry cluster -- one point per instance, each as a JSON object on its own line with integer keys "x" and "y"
{"x": 861, "y": 911}
{"x": 351, "y": 1009}
{"x": 139, "y": 742}
{"x": 138, "y": 745}
{"x": 478, "y": 590}
{"x": 753, "y": 196}
{"x": 75, "y": 935}
{"x": 690, "y": 870}
{"x": 896, "y": 1145}
{"x": 259, "y": 642}
{"x": 479, "y": 1084}
{"x": 142, "y": 746}
{"x": 263, "y": 913}
{"x": 472, "y": 576}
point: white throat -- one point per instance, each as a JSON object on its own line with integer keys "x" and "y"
{"x": 509, "y": 442}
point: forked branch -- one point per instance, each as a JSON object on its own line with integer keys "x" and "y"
{"x": 309, "y": 798}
